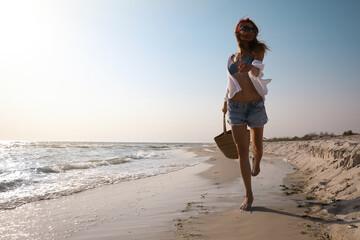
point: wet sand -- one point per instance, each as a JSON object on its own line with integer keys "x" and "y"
{"x": 202, "y": 203}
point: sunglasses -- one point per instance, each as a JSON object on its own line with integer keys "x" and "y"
{"x": 248, "y": 29}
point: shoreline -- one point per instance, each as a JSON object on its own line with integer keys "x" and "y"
{"x": 202, "y": 201}
{"x": 125, "y": 210}
{"x": 153, "y": 208}
{"x": 159, "y": 207}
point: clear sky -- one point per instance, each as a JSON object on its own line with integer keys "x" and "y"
{"x": 155, "y": 70}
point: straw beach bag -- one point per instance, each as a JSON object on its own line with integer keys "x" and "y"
{"x": 226, "y": 143}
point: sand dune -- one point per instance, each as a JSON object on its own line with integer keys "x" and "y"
{"x": 330, "y": 169}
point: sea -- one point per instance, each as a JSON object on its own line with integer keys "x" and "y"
{"x": 33, "y": 171}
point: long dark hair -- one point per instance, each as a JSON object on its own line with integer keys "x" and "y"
{"x": 254, "y": 44}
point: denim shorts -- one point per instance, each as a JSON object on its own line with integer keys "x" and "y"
{"x": 252, "y": 114}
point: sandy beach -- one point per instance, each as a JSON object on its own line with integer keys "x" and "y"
{"x": 325, "y": 188}
{"x": 306, "y": 190}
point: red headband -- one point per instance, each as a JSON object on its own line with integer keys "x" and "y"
{"x": 240, "y": 23}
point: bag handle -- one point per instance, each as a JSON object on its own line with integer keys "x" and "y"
{"x": 224, "y": 124}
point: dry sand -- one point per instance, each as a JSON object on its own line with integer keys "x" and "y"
{"x": 330, "y": 171}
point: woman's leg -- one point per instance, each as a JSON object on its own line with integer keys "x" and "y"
{"x": 242, "y": 141}
{"x": 257, "y": 144}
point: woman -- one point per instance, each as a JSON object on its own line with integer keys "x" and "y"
{"x": 244, "y": 101}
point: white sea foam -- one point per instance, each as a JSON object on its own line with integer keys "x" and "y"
{"x": 32, "y": 171}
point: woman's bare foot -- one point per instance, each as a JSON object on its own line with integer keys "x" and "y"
{"x": 255, "y": 168}
{"x": 246, "y": 205}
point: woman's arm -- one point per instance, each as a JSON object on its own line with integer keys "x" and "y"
{"x": 259, "y": 55}
{"x": 224, "y": 109}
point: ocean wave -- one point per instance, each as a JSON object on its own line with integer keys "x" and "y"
{"x": 79, "y": 185}
{"x": 111, "y": 161}
{"x": 63, "y": 167}
{"x": 12, "y": 145}
{"x": 116, "y": 161}
{"x": 47, "y": 145}
{"x": 145, "y": 155}
{"x": 18, "y": 200}
{"x": 72, "y": 145}
{"x": 10, "y": 185}
{"x": 82, "y": 185}
{"x": 158, "y": 147}
{"x": 135, "y": 156}
{"x": 46, "y": 169}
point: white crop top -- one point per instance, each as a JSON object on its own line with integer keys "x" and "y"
{"x": 260, "y": 84}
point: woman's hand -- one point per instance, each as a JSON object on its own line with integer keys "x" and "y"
{"x": 224, "y": 109}
{"x": 255, "y": 71}
{"x": 245, "y": 67}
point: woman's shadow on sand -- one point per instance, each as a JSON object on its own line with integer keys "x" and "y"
{"x": 337, "y": 207}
